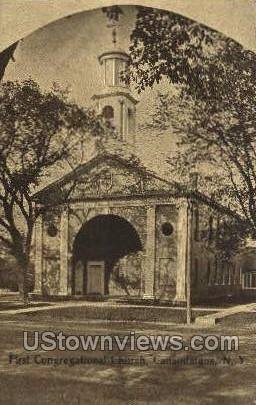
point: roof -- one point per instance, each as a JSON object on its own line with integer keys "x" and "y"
{"x": 133, "y": 163}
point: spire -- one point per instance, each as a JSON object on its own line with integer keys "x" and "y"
{"x": 115, "y": 101}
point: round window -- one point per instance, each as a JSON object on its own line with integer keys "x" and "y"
{"x": 108, "y": 112}
{"x": 52, "y": 230}
{"x": 167, "y": 229}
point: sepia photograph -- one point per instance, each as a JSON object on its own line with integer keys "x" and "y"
{"x": 127, "y": 202}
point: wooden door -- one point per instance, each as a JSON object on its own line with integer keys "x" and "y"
{"x": 96, "y": 277}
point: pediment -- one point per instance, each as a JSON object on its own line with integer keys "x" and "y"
{"x": 107, "y": 176}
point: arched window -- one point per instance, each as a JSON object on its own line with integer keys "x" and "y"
{"x": 108, "y": 112}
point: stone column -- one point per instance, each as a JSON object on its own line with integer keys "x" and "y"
{"x": 150, "y": 262}
{"x": 38, "y": 255}
{"x": 182, "y": 247}
{"x": 122, "y": 130}
{"x": 64, "y": 234}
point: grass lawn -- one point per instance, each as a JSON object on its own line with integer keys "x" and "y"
{"x": 111, "y": 313}
{"x": 226, "y": 378}
{"x": 18, "y": 305}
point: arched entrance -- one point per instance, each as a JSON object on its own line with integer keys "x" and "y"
{"x": 99, "y": 244}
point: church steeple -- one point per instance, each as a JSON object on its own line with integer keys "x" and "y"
{"x": 115, "y": 101}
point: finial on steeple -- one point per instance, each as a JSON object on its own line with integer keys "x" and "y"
{"x": 113, "y": 15}
{"x": 113, "y": 25}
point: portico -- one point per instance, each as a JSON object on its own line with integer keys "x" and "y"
{"x": 100, "y": 226}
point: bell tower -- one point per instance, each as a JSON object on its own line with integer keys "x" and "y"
{"x": 115, "y": 101}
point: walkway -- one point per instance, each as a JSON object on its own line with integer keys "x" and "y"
{"x": 212, "y": 319}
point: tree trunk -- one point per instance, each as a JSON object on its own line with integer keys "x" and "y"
{"x": 25, "y": 285}
{"x": 23, "y": 277}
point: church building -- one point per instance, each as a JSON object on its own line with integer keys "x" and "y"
{"x": 124, "y": 230}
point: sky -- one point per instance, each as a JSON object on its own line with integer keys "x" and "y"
{"x": 234, "y": 18}
{"x": 67, "y": 51}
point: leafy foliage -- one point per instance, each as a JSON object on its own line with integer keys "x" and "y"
{"x": 38, "y": 130}
{"x": 113, "y": 13}
{"x": 167, "y": 44}
{"x": 5, "y": 56}
{"x": 211, "y": 111}
{"x": 229, "y": 239}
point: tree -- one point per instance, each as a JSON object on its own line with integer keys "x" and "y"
{"x": 38, "y": 131}
{"x": 5, "y": 56}
{"x": 165, "y": 44}
{"x": 212, "y": 108}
